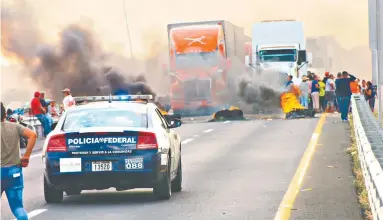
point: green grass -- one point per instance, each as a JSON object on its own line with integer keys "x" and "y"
{"x": 358, "y": 174}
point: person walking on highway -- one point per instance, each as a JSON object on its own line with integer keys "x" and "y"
{"x": 11, "y": 165}
{"x": 363, "y": 87}
{"x": 370, "y": 95}
{"x": 330, "y": 94}
{"x": 315, "y": 93}
{"x": 344, "y": 93}
{"x": 68, "y": 99}
{"x": 39, "y": 111}
{"x": 305, "y": 91}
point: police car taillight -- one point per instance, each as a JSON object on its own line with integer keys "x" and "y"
{"x": 147, "y": 140}
{"x": 57, "y": 143}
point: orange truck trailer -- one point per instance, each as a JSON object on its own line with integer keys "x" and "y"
{"x": 201, "y": 56}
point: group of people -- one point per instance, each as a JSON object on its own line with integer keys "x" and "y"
{"x": 330, "y": 93}
{"x": 11, "y": 163}
{"x": 44, "y": 111}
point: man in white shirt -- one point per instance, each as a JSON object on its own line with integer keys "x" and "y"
{"x": 330, "y": 93}
{"x": 68, "y": 99}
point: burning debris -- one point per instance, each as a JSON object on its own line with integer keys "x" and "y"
{"x": 292, "y": 108}
{"x": 233, "y": 113}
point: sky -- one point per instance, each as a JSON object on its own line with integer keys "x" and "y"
{"x": 346, "y": 20}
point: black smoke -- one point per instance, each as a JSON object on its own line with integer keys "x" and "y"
{"x": 76, "y": 62}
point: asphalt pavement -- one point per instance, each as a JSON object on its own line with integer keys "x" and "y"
{"x": 231, "y": 170}
{"x": 328, "y": 191}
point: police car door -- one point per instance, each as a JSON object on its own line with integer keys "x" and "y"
{"x": 172, "y": 138}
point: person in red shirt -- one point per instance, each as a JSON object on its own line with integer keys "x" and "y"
{"x": 38, "y": 111}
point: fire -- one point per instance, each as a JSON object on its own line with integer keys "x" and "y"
{"x": 8, "y": 58}
{"x": 290, "y": 102}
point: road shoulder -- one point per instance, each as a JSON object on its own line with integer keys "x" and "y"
{"x": 328, "y": 190}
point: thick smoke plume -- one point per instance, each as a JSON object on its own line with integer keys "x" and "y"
{"x": 76, "y": 62}
{"x": 261, "y": 93}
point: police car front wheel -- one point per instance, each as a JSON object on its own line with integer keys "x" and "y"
{"x": 51, "y": 194}
{"x": 163, "y": 189}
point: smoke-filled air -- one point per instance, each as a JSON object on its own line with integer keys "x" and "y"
{"x": 76, "y": 62}
{"x": 79, "y": 60}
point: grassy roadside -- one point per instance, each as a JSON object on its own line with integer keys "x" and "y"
{"x": 358, "y": 174}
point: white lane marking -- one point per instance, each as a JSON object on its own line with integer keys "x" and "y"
{"x": 226, "y": 122}
{"x": 208, "y": 130}
{"x": 196, "y": 135}
{"x": 35, "y": 213}
{"x": 36, "y": 155}
{"x": 186, "y": 141}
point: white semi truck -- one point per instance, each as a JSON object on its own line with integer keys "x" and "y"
{"x": 280, "y": 46}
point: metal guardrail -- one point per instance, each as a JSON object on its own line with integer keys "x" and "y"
{"x": 369, "y": 139}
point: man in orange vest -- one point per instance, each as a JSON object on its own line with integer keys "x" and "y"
{"x": 354, "y": 85}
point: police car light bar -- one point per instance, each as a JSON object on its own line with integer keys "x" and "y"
{"x": 111, "y": 98}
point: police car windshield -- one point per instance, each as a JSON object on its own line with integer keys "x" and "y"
{"x": 104, "y": 117}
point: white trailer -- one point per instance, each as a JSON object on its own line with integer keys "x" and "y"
{"x": 280, "y": 46}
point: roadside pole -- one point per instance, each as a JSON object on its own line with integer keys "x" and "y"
{"x": 127, "y": 28}
{"x": 375, "y": 40}
{"x": 378, "y": 62}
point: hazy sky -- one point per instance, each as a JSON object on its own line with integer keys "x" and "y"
{"x": 345, "y": 19}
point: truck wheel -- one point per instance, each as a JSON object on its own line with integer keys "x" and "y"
{"x": 177, "y": 182}
{"x": 163, "y": 189}
{"x": 51, "y": 194}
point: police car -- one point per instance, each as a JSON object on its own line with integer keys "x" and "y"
{"x": 112, "y": 141}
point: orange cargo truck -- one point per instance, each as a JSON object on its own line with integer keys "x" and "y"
{"x": 201, "y": 57}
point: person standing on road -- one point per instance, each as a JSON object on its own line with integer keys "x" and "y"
{"x": 289, "y": 83}
{"x": 322, "y": 100}
{"x": 339, "y": 76}
{"x": 344, "y": 93}
{"x": 305, "y": 91}
{"x": 11, "y": 163}
{"x": 315, "y": 93}
{"x": 45, "y": 105}
{"x": 39, "y": 111}
{"x": 309, "y": 81}
{"x": 68, "y": 99}
{"x": 330, "y": 94}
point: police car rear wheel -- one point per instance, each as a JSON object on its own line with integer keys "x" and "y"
{"x": 163, "y": 189}
{"x": 177, "y": 182}
{"x": 51, "y": 194}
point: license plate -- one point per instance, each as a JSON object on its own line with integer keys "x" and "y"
{"x": 134, "y": 163}
{"x": 102, "y": 166}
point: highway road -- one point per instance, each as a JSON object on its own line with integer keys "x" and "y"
{"x": 231, "y": 170}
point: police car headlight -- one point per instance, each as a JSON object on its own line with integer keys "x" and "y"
{"x": 291, "y": 65}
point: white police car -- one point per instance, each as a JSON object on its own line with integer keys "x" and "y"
{"x": 112, "y": 141}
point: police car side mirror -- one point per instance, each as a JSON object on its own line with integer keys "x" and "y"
{"x": 53, "y": 126}
{"x": 174, "y": 123}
